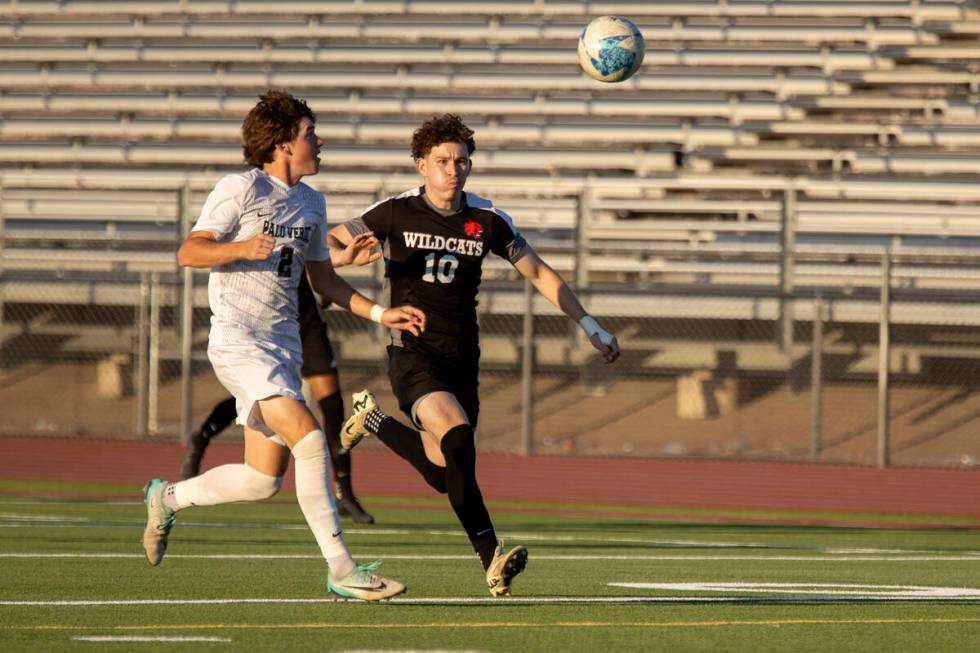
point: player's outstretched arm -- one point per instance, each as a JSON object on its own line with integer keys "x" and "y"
{"x": 550, "y": 284}
{"x": 201, "y": 250}
{"x": 325, "y": 281}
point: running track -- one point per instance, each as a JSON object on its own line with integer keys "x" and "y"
{"x": 678, "y": 484}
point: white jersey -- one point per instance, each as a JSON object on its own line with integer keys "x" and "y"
{"x": 258, "y": 300}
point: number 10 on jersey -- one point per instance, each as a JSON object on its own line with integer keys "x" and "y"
{"x": 441, "y": 268}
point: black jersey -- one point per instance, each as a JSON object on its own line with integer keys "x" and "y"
{"x": 434, "y": 262}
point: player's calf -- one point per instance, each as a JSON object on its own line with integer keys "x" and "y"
{"x": 190, "y": 464}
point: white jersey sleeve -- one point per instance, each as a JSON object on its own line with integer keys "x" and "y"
{"x": 223, "y": 209}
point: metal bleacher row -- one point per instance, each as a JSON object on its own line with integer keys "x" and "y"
{"x": 867, "y": 112}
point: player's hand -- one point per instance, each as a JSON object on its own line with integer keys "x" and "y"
{"x": 258, "y": 248}
{"x": 609, "y": 350}
{"x": 358, "y": 251}
{"x": 406, "y": 318}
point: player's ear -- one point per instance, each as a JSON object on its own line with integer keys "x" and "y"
{"x": 281, "y": 150}
{"x": 420, "y": 165}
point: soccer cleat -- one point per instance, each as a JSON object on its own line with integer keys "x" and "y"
{"x": 364, "y": 584}
{"x": 353, "y": 430}
{"x": 159, "y": 521}
{"x": 190, "y": 464}
{"x": 504, "y": 567}
{"x": 351, "y": 507}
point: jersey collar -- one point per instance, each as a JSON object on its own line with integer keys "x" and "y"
{"x": 432, "y": 207}
{"x": 277, "y": 181}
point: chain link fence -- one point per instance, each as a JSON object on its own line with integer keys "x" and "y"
{"x": 118, "y": 350}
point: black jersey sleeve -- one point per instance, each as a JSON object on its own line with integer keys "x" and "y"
{"x": 376, "y": 219}
{"x": 506, "y": 241}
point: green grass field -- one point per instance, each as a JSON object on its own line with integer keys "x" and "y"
{"x": 73, "y": 577}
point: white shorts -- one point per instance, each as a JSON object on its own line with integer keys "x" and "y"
{"x": 252, "y": 371}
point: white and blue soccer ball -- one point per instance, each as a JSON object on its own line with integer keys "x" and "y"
{"x": 610, "y": 49}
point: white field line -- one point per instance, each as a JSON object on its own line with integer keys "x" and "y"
{"x": 80, "y": 503}
{"x": 21, "y": 517}
{"x": 409, "y": 650}
{"x": 129, "y": 503}
{"x": 48, "y": 521}
{"x": 825, "y": 596}
{"x": 409, "y": 556}
{"x": 140, "y": 638}
{"x": 836, "y": 590}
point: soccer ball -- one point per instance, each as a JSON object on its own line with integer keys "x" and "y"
{"x": 610, "y": 49}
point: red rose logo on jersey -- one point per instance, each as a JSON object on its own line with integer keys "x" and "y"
{"x": 473, "y": 229}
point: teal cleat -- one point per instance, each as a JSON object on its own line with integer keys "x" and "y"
{"x": 364, "y": 584}
{"x": 159, "y": 521}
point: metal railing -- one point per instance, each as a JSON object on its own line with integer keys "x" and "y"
{"x": 705, "y": 363}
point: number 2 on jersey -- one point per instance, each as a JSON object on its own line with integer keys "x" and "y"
{"x": 442, "y": 270}
{"x": 285, "y": 268}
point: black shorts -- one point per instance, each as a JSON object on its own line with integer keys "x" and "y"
{"x": 415, "y": 374}
{"x": 317, "y": 353}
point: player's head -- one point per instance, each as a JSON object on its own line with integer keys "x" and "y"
{"x": 284, "y": 127}
{"x": 447, "y": 128}
{"x": 441, "y": 148}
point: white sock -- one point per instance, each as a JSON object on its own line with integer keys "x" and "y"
{"x": 222, "y": 484}
{"x": 317, "y": 503}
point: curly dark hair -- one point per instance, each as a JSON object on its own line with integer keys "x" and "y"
{"x": 447, "y": 128}
{"x": 274, "y": 120}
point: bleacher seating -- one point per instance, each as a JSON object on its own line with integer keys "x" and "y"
{"x": 866, "y": 110}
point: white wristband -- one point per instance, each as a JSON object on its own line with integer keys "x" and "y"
{"x": 376, "y": 312}
{"x": 591, "y": 328}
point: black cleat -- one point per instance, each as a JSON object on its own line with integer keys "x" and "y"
{"x": 351, "y": 507}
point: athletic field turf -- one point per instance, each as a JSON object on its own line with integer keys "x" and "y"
{"x": 73, "y": 577}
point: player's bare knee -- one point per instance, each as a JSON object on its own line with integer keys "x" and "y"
{"x": 439, "y": 412}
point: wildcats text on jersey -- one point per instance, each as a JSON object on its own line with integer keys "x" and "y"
{"x": 281, "y": 231}
{"x": 464, "y": 246}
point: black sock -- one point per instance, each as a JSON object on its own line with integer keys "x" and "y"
{"x": 459, "y": 448}
{"x": 407, "y": 443}
{"x": 221, "y": 417}
{"x": 333, "y": 419}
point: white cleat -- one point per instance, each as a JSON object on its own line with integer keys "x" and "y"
{"x": 504, "y": 567}
{"x": 353, "y": 430}
{"x": 364, "y": 584}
